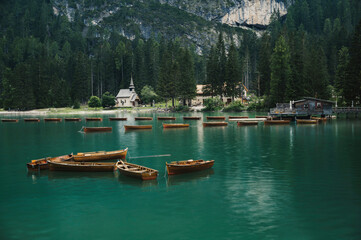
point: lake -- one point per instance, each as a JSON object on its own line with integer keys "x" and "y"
{"x": 268, "y": 182}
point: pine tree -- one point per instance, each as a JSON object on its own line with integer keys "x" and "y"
{"x": 212, "y": 73}
{"x": 264, "y": 64}
{"x": 341, "y": 73}
{"x": 233, "y": 75}
{"x": 221, "y": 66}
{"x": 187, "y": 83}
{"x": 280, "y": 71}
{"x": 352, "y": 87}
{"x": 316, "y": 75}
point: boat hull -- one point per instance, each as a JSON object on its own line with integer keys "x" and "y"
{"x": 136, "y": 171}
{"x": 117, "y": 119}
{"x": 97, "y": 129}
{"x": 247, "y": 123}
{"x": 94, "y": 119}
{"x": 31, "y": 120}
{"x": 10, "y": 120}
{"x": 216, "y": 118}
{"x": 52, "y": 119}
{"x": 182, "y": 167}
{"x": 143, "y": 118}
{"x": 191, "y": 118}
{"x": 72, "y": 119}
{"x": 103, "y": 155}
{"x": 166, "y": 118}
{"x": 307, "y": 121}
{"x": 137, "y": 127}
{"x": 81, "y": 166}
{"x": 43, "y": 164}
{"x": 175, "y": 125}
{"x": 277, "y": 122}
{"x": 238, "y": 117}
{"x": 214, "y": 124}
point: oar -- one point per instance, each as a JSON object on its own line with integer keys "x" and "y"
{"x": 152, "y": 156}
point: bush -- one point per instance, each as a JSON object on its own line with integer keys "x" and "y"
{"x": 256, "y": 106}
{"x": 94, "y": 102}
{"x": 108, "y": 100}
{"x": 76, "y": 104}
{"x": 148, "y": 94}
{"x": 213, "y": 104}
{"x": 181, "y": 108}
{"x": 235, "y": 106}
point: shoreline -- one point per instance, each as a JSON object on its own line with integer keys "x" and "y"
{"x": 62, "y": 111}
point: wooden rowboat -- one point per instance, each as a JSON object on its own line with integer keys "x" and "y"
{"x": 97, "y": 129}
{"x": 191, "y": 118}
{"x": 117, "y": 119}
{"x": 175, "y": 125}
{"x": 276, "y": 122}
{"x": 31, "y": 120}
{"x": 38, "y": 164}
{"x": 10, "y": 120}
{"x": 320, "y": 119}
{"x": 137, "y": 171}
{"x": 188, "y": 166}
{"x": 233, "y": 117}
{"x": 216, "y": 118}
{"x": 214, "y": 124}
{"x": 72, "y": 119}
{"x": 306, "y": 121}
{"x": 42, "y": 164}
{"x": 52, "y": 119}
{"x": 247, "y": 123}
{"x": 100, "y": 155}
{"x": 143, "y": 118}
{"x": 166, "y": 118}
{"x": 137, "y": 127}
{"x": 81, "y": 166}
{"x": 94, "y": 119}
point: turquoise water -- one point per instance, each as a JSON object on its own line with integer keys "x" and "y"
{"x": 268, "y": 182}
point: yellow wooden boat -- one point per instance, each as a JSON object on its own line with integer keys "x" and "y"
{"x": 100, "y": 155}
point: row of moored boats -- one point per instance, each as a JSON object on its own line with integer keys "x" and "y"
{"x": 90, "y": 162}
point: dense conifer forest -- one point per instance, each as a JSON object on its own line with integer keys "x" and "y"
{"x": 47, "y": 60}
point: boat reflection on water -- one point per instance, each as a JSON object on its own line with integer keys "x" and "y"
{"x": 125, "y": 180}
{"x": 58, "y": 175}
{"x": 174, "y": 180}
{"x": 35, "y": 175}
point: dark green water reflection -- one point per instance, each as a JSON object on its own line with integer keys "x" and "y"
{"x": 268, "y": 182}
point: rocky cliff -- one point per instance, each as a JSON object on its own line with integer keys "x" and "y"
{"x": 195, "y": 21}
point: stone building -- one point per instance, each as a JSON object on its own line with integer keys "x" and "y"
{"x": 127, "y": 97}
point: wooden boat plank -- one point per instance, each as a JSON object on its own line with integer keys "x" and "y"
{"x": 52, "y": 119}
{"x": 214, "y": 124}
{"x": 216, "y": 117}
{"x": 9, "y": 120}
{"x": 137, "y": 127}
{"x": 118, "y": 119}
{"x": 191, "y": 118}
{"x": 137, "y": 171}
{"x": 97, "y": 129}
{"x": 238, "y": 117}
{"x": 143, "y": 118}
{"x": 72, "y": 119}
{"x": 166, "y": 118}
{"x": 88, "y": 157}
{"x": 188, "y": 166}
{"x": 93, "y": 119}
{"x": 175, "y": 125}
{"x": 31, "y": 120}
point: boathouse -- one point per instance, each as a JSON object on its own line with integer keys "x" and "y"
{"x": 307, "y": 106}
{"x": 127, "y": 97}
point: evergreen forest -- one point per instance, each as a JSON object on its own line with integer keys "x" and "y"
{"x": 48, "y": 61}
